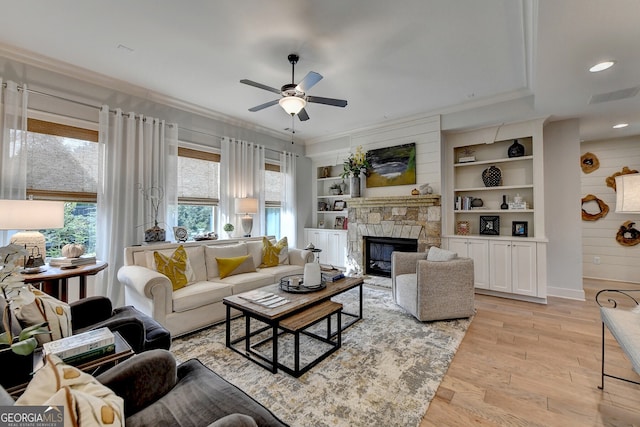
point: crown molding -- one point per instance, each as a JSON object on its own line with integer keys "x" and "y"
{"x": 92, "y": 77}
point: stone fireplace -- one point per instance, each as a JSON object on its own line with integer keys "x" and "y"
{"x": 393, "y": 217}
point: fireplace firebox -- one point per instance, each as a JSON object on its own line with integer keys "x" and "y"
{"x": 378, "y": 253}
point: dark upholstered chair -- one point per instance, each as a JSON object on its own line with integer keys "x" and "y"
{"x": 142, "y": 332}
{"x": 157, "y": 392}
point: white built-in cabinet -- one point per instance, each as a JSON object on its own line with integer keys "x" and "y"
{"x": 504, "y": 264}
{"x": 333, "y": 244}
{"x": 478, "y": 250}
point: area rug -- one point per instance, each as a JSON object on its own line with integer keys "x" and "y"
{"x": 385, "y": 374}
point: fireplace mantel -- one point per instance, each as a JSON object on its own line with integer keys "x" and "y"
{"x": 367, "y": 202}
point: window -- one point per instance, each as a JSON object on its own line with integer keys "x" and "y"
{"x": 273, "y": 197}
{"x": 62, "y": 164}
{"x": 198, "y": 190}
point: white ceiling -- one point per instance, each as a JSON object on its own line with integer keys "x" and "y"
{"x": 388, "y": 59}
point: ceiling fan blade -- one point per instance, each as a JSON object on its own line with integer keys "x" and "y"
{"x": 260, "y": 86}
{"x": 303, "y": 116}
{"x": 309, "y": 81}
{"x": 265, "y": 105}
{"x": 327, "y": 101}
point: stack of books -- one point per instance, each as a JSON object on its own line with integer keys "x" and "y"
{"x": 82, "y": 347}
{"x": 331, "y": 275}
{"x": 64, "y": 262}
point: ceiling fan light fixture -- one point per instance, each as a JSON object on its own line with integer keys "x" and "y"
{"x": 292, "y": 104}
{"x": 601, "y": 66}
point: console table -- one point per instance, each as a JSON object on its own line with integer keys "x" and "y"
{"x": 55, "y": 279}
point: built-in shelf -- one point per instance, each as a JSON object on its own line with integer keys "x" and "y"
{"x": 494, "y": 161}
{"x": 497, "y": 188}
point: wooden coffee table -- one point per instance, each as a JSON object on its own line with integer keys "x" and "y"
{"x": 272, "y": 317}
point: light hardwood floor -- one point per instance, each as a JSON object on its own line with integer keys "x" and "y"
{"x": 525, "y": 364}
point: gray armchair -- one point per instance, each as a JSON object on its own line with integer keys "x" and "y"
{"x": 432, "y": 290}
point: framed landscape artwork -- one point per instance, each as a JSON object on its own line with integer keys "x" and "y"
{"x": 392, "y": 166}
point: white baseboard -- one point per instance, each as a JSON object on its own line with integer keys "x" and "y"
{"x": 565, "y": 293}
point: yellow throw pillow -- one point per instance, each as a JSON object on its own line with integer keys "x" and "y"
{"x": 235, "y": 265}
{"x": 174, "y": 267}
{"x": 271, "y": 252}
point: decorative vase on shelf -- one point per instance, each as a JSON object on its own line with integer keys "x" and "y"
{"x": 504, "y": 204}
{"x": 477, "y": 203}
{"x": 343, "y": 187}
{"x": 516, "y": 149}
{"x": 355, "y": 186}
{"x": 492, "y": 177}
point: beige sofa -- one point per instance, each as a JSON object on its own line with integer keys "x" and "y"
{"x": 199, "y": 304}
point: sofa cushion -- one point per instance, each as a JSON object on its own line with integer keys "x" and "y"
{"x": 173, "y": 266}
{"x": 227, "y": 251}
{"x": 199, "y": 294}
{"x": 247, "y": 281}
{"x": 279, "y": 271}
{"x": 271, "y": 252}
{"x": 235, "y": 265}
{"x": 254, "y": 248}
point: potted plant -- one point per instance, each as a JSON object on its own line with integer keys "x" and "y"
{"x": 355, "y": 164}
{"x": 154, "y": 195}
{"x": 16, "y": 351}
{"x": 335, "y": 189}
{"x": 229, "y": 229}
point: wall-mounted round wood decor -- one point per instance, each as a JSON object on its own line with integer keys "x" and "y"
{"x": 602, "y": 206}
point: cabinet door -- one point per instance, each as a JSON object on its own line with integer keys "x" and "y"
{"x": 478, "y": 250}
{"x": 337, "y": 248}
{"x": 459, "y": 246}
{"x": 524, "y": 267}
{"x": 500, "y": 268}
{"x": 320, "y": 241}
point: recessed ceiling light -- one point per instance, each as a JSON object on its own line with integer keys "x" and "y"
{"x": 602, "y": 66}
{"x": 620, "y": 125}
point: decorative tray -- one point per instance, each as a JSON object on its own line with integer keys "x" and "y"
{"x": 294, "y": 283}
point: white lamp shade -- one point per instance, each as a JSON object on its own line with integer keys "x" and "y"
{"x": 292, "y": 104}
{"x": 247, "y": 206}
{"x": 31, "y": 214}
{"x": 628, "y": 193}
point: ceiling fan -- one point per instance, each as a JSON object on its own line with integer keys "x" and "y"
{"x": 294, "y": 97}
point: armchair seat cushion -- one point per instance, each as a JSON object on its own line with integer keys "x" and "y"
{"x": 155, "y": 393}
{"x": 199, "y": 294}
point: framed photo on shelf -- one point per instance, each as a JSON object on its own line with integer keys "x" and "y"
{"x": 322, "y": 206}
{"x": 463, "y": 228}
{"x": 490, "y": 225}
{"x": 520, "y": 228}
{"x": 338, "y": 205}
{"x": 339, "y": 222}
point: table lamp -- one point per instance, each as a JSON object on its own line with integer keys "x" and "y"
{"x": 628, "y": 193}
{"x": 247, "y": 206}
{"x": 30, "y": 216}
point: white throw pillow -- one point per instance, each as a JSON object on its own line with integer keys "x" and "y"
{"x": 437, "y": 254}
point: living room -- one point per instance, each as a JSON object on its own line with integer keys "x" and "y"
{"x": 71, "y": 94}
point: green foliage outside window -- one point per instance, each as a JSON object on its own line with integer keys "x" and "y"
{"x": 79, "y": 227}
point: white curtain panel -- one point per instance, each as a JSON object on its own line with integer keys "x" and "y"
{"x": 241, "y": 175}
{"x": 13, "y": 143}
{"x": 135, "y": 153}
{"x": 288, "y": 220}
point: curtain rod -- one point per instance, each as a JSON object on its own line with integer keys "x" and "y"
{"x": 98, "y": 107}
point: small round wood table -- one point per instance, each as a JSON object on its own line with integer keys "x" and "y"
{"x": 55, "y": 279}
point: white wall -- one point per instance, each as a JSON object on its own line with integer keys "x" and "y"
{"x": 562, "y": 209}
{"x": 617, "y": 262}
